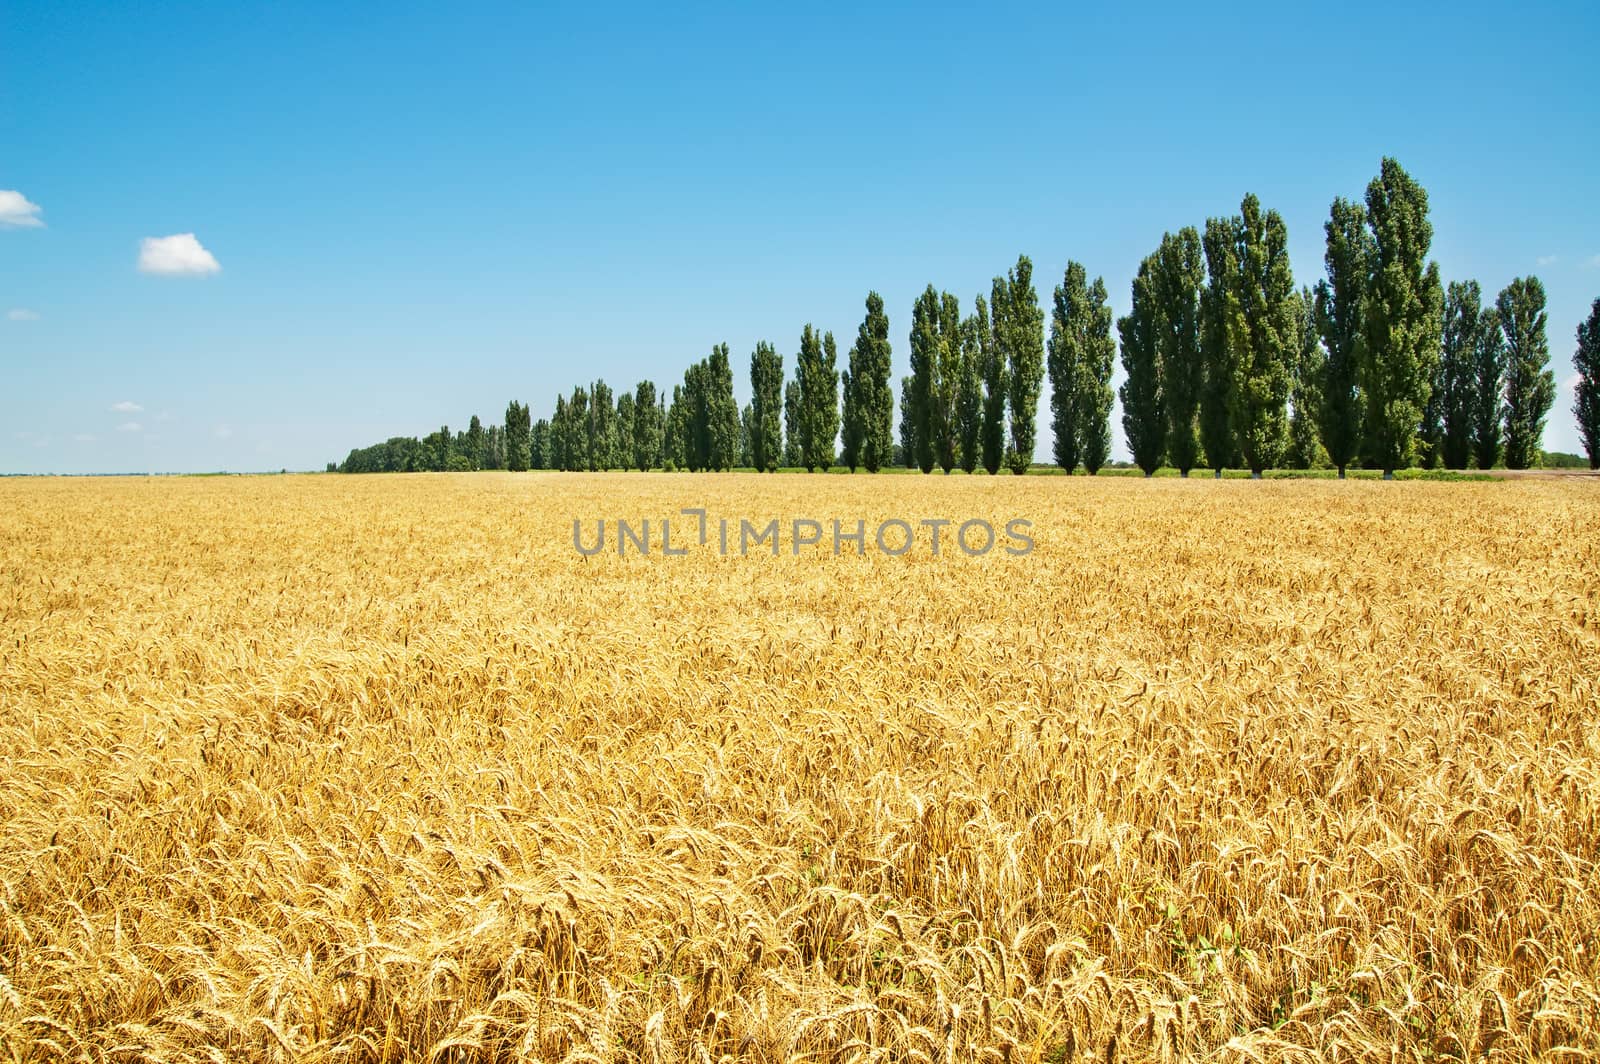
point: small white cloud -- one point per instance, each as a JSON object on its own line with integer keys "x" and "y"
{"x": 1547, "y": 260}
{"x": 17, "y": 213}
{"x": 22, "y": 314}
{"x": 1592, "y": 262}
{"x": 179, "y": 255}
{"x": 84, "y": 437}
{"x": 130, "y": 426}
{"x": 127, "y": 407}
{"x": 222, "y": 432}
{"x": 1571, "y": 383}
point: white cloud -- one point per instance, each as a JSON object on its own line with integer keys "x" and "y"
{"x": 1547, "y": 260}
{"x": 1571, "y": 383}
{"x": 22, "y": 314}
{"x": 1592, "y": 262}
{"x": 222, "y": 432}
{"x": 130, "y": 426}
{"x": 84, "y": 437}
{"x": 178, "y": 255}
{"x": 17, "y": 213}
{"x": 127, "y": 407}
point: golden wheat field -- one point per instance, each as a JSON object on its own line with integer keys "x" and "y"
{"x": 380, "y": 768}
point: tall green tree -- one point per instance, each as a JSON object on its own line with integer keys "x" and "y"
{"x": 1402, "y": 317}
{"x": 1219, "y": 312}
{"x": 517, "y": 427}
{"x": 649, "y": 423}
{"x": 622, "y": 436}
{"x": 924, "y": 378}
{"x": 1341, "y": 413}
{"x": 1455, "y": 384}
{"x": 908, "y": 426}
{"x": 1265, "y": 345}
{"x": 722, "y": 412}
{"x": 1143, "y": 419}
{"x": 1304, "y": 451}
{"x": 1178, "y": 277}
{"x": 1080, "y": 364}
{"x": 818, "y": 379}
{"x": 869, "y": 374}
{"x": 602, "y": 426}
{"x": 580, "y": 457}
{"x": 766, "y": 402}
{"x": 539, "y": 445}
{"x": 947, "y": 384}
{"x": 969, "y": 389}
{"x": 1586, "y": 403}
{"x": 1489, "y": 390}
{"x": 677, "y": 433}
{"x": 793, "y": 446}
{"x": 996, "y": 384}
{"x": 1530, "y": 386}
{"x": 1020, "y": 331}
{"x": 475, "y": 442}
{"x": 747, "y": 435}
{"x": 560, "y": 436}
{"x": 850, "y": 424}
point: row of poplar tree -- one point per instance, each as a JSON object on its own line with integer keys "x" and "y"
{"x": 1227, "y": 364}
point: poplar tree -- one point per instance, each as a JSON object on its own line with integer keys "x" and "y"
{"x": 602, "y": 426}
{"x": 675, "y": 438}
{"x": 1586, "y": 402}
{"x": 969, "y": 388}
{"x": 874, "y": 398}
{"x": 1530, "y": 386}
{"x": 850, "y": 424}
{"x": 622, "y": 435}
{"x": 1219, "y": 309}
{"x": 1489, "y": 389}
{"x": 1265, "y": 342}
{"x": 793, "y": 453}
{"x": 649, "y": 422}
{"x": 947, "y": 384}
{"x": 516, "y": 437}
{"x": 722, "y": 412}
{"x": 579, "y": 432}
{"x": 1304, "y": 401}
{"x": 1350, "y": 252}
{"x": 1080, "y": 362}
{"x": 924, "y": 368}
{"x": 1143, "y": 419}
{"x": 992, "y": 368}
{"x": 538, "y": 445}
{"x": 475, "y": 442}
{"x": 556, "y": 456}
{"x": 1178, "y": 277}
{"x": 1401, "y": 319}
{"x": 818, "y": 398}
{"x": 1022, "y": 333}
{"x": 1455, "y": 384}
{"x": 908, "y": 438}
{"x": 766, "y": 402}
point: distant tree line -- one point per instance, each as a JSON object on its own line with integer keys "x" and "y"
{"x": 1227, "y": 365}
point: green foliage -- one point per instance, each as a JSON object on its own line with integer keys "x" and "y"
{"x": 579, "y": 432}
{"x": 975, "y": 341}
{"x": 992, "y": 368}
{"x": 1530, "y": 386}
{"x": 1402, "y": 317}
{"x": 875, "y": 399}
{"x": 1267, "y": 323}
{"x": 1081, "y": 353}
{"x": 474, "y": 443}
{"x": 818, "y": 399}
{"x": 1489, "y": 389}
{"x": 1350, "y": 252}
{"x": 721, "y": 412}
{"x": 924, "y": 375}
{"x": 766, "y": 402}
{"x": 1143, "y": 419}
{"x": 1019, "y": 334}
{"x": 649, "y": 426}
{"x": 622, "y": 434}
{"x": 1455, "y": 383}
{"x": 906, "y": 451}
{"x": 602, "y": 426}
{"x": 1218, "y": 311}
{"x": 1586, "y": 405}
{"x": 1304, "y": 450}
{"x": 792, "y": 449}
{"x": 539, "y": 445}
{"x": 1178, "y": 276}
{"x": 517, "y": 428}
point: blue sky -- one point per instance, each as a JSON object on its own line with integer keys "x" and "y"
{"x": 418, "y": 213}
